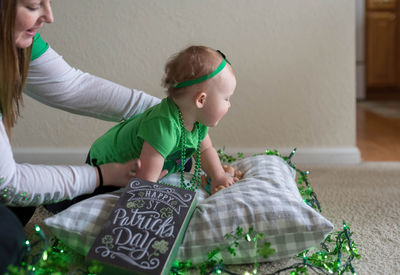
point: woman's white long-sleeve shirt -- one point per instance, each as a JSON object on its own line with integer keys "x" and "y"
{"x": 55, "y": 83}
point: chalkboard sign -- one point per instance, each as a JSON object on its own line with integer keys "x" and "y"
{"x": 145, "y": 228}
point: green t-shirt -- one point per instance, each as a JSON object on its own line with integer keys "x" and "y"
{"x": 159, "y": 126}
{"x": 39, "y": 46}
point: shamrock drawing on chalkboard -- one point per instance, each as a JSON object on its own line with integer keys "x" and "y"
{"x": 174, "y": 202}
{"x": 166, "y": 212}
{"x": 141, "y": 194}
{"x": 135, "y": 204}
{"x": 159, "y": 246}
{"x": 107, "y": 240}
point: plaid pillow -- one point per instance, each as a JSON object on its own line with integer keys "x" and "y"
{"x": 266, "y": 199}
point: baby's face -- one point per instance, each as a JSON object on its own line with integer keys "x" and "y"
{"x": 218, "y": 97}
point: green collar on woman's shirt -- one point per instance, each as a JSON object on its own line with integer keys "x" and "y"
{"x": 39, "y": 46}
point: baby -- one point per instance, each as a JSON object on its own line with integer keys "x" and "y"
{"x": 199, "y": 83}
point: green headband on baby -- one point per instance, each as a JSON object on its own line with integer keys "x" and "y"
{"x": 205, "y": 77}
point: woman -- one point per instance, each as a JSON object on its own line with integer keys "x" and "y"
{"x": 52, "y": 81}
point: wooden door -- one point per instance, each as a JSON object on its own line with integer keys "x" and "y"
{"x": 381, "y": 49}
{"x": 381, "y": 4}
{"x": 382, "y": 44}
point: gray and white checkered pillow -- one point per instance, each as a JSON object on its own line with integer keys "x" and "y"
{"x": 266, "y": 199}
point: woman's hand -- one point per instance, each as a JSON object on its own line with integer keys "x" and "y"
{"x": 120, "y": 174}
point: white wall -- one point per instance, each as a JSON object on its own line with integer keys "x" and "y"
{"x": 294, "y": 62}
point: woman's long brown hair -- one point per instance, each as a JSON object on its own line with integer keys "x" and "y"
{"x": 14, "y": 64}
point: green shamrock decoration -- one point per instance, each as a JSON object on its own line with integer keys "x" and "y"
{"x": 161, "y": 246}
{"x": 135, "y": 204}
{"x": 107, "y": 240}
{"x": 166, "y": 212}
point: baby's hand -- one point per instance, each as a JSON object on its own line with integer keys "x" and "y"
{"x": 222, "y": 182}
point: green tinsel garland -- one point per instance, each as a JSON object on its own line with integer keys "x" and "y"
{"x": 325, "y": 261}
{"x": 305, "y": 189}
{"x": 55, "y": 258}
{"x": 215, "y": 263}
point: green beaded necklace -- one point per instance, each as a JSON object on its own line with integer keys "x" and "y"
{"x": 195, "y": 181}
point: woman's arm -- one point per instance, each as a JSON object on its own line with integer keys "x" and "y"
{"x": 29, "y": 185}
{"x": 55, "y": 83}
{"x": 26, "y": 184}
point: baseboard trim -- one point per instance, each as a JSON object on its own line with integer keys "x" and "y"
{"x": 314, "y": 156}
{"x": 55, "y": 156}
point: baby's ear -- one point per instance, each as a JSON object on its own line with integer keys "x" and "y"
{"x": 200, "y": 99}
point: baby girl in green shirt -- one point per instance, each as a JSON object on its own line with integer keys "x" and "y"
{"x": 199, "y": 83}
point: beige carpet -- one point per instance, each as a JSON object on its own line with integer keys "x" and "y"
{"x": 367, "y": 197}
